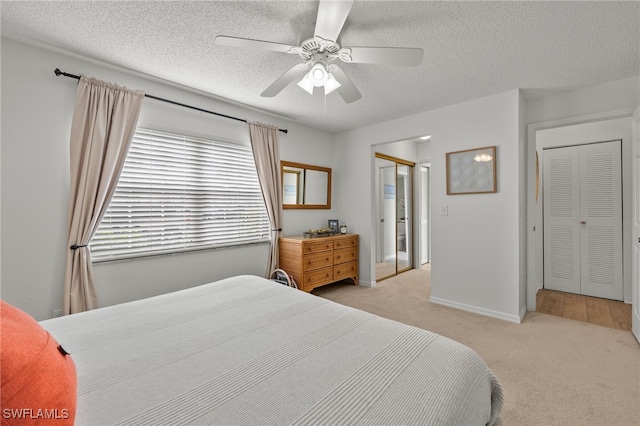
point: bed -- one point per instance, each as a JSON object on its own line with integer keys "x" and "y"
{"x": 247, "y": 350}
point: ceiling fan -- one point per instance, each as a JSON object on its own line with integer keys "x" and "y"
{"x": 321, "y": 51}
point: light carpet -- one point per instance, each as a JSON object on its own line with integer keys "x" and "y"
{"x": 554, "y": 371}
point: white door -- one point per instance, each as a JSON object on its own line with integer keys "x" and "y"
{"x": 425, "y": 211}
{"x": 583, "y": 219}
{"x": 635, "y": 263}
{"x": 561, "y": 204}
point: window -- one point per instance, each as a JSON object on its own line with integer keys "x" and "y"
{"x": 178, "y": 193}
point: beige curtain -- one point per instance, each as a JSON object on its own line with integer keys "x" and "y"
{"x": 266, "y": 154}
{"x": 104, "y": 121}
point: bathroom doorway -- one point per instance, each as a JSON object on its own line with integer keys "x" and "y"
{"x": 425, "y": 213}
{"x": 394, "y": 237}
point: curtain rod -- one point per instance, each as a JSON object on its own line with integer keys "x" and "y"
{"x": 146, "y": 95}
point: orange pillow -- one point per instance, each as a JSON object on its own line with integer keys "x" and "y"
{"x": 39, "y": 384}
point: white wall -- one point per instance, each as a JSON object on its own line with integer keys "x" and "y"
{"x": 405, "y": 150}
{"x": 475, "y": 258}
{"x": 424, "y": 152}
{"x": 575, "y": 103}
{"x": 36, "y": 110}
{"x": 522, "y": 209}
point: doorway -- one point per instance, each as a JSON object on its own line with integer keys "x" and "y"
{"x": 582, "y": 219}
{"x": 425, "y": 213}
{"x": 395, "y": 216}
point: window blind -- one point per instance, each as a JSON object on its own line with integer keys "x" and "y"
{"x": 178, "y": 193}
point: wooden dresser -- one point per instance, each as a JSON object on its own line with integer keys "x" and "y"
{"x": 314, "y": 262}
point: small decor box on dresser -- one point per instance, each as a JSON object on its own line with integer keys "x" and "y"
{"x": 314, "y": 262}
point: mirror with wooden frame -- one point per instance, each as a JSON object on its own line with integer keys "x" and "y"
{"x": 305, "y": 186}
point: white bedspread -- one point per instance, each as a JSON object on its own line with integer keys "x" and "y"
{"x": 246, "y": 350}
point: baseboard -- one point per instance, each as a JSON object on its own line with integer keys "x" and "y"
{"x": 366, "y": 283}
{"x": 523, "y": 312}
{"x": 481, "y": 311}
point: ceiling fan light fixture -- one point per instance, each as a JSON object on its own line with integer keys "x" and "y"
{"x": 306, "y": 84}
{"x": 331, "y": 84}
{"x": 318, "y": 75}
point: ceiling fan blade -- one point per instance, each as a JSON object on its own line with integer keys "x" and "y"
{"x": 255, "y": 44}
{"x": 347, "y": 89}
{"x": 382, "y": 55}
{"x": 294, "y": 72}
{"x": 331, "y": 17}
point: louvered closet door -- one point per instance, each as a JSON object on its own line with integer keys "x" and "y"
{"x": 583, "y": 220}
{"x": 601, "y": 209}
{"x": 561, "y": 191}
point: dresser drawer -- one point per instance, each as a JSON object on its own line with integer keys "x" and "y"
{"x": 317, "y": 278}
{"x": 318, "y": 246}
{"x": 345, "y": 270}
{"x": 345, "y": 255}
{"x": 317, "y": 260}
{"x": 346, "y": 242}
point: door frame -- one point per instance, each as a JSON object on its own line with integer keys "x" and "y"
{"x": 635, "y": 262}
{"x": 424, "y": 209}
{"x": 534, "y": 217}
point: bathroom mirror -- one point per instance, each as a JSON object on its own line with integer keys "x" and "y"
{"x": 305, "y": 186}
{"x": 394, "y": 196}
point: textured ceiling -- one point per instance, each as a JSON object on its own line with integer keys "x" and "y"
{"x": 472, "y": 49}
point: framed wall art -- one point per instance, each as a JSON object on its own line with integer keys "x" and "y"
{"x": 472, "y": 171}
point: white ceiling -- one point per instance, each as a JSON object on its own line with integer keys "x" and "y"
{"x": 472, "y": 49}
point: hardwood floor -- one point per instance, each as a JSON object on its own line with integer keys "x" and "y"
{"x": 607, "y": 313}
